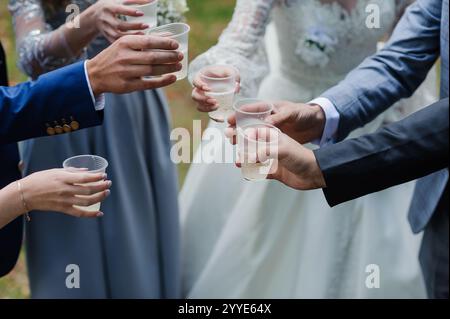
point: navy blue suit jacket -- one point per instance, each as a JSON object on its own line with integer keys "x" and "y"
{"x": 29, "y": 110}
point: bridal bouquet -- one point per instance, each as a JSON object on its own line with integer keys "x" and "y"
{"x": 170, "y": 11}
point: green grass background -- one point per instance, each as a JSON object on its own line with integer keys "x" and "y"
{"x": 207, "y": 19}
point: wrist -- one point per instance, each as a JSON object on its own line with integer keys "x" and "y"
{"x": 89, "y": 18}
{"x": 94, "y": 77}
{"x": 319, "y": 119}
{"x": 25, "y": 196}
{"x": 316, "y": 177}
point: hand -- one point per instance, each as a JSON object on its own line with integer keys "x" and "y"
{"x": 105, "y": 14}
{"x": 302, "y": 122}
{"x": 206, "y": 103}
{"x": 120, "y": 67}
{"x": 294, "y": 165}
{"x": 58, "y": 190}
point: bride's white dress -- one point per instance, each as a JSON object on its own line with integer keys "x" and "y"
{"x": 264, "y": 240}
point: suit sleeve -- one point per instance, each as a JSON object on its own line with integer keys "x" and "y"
{"x": 400, "y": 152}
{"x": 62, "y": 96}
{"x": 393, "y": 73}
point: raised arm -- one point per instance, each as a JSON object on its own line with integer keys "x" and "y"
{"x": 242, "y": 45}
{"x": 42, "y": 49}
{"x": 393, "y": 73}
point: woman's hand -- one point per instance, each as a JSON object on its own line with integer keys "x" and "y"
{"x": 204, "y": 102}
{"x": 106, "y": 16}
{"x": 59, "y": 190}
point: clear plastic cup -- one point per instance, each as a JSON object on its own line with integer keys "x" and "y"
{"x": 150, "y": 16}
{"x": 94, "y": 164}
{"x": 251, "y": 111}
{"x": 180, "y": 33}
{"x": 253, "y": 140}
{"x": 221, "y": 80}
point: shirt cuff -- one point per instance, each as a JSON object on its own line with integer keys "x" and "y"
{"x": 332, "y": 121}
{"x": 99, "y": 102}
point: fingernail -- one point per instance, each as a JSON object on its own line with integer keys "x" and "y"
{"x": 180, "y": 56}
{"x": 100, "y": 214}
{"x": 107, "y": 192}
{"x": 174, "y": 45}
{"x": 145, "y": 26}
{"x": 179, "y": 66}
{"x": 105, "y": 176}
{"x": 211, "y": 101}
{"x": 109, "y": 183}
{"x": 138, "y": 12}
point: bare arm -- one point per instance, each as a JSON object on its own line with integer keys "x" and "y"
{"x": 54, "y": 190}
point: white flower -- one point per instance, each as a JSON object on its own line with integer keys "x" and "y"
{"x": 171, "y": 11}
{"x": 316, "y": 46}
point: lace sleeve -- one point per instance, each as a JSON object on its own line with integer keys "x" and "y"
{"x": 242, "y": 45}
{"x": 40, "y": 48}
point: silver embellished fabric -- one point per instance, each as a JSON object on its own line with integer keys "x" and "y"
{"x": 41, "y": 46}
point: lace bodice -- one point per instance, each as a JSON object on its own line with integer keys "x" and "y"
{"x": 318, "y": 42}
{"x": 40, "y": 45}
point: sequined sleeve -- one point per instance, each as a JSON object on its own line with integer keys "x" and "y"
{"x": 40, "y": 49}
{"x": 242, "y": 45}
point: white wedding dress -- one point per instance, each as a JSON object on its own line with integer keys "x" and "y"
{"x": 263, "y": 240}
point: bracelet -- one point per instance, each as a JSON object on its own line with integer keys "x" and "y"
{"x": 24, "y": 203}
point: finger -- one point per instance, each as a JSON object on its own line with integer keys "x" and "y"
{"x": 166, "y": 69}
{"x": 126, "y": 11}
{"x": 127, "y": 26}
{"x": 232, "y": 120}
{"x": 154, "y": 83}
{"x": 87, "y": 201}
{"x": 278, "y": 119}
{"x": 202, "y": 99}
{"x": 77, "y": 212}
{"x": 199, "y": 84}
{"x": 73, "y": 169}
{"x": 91, "y": 188}
{"x": 128, "y": 2}
{"x": 83, "y": 178}
{"x": 110, "y": 35}
{"x": 230, "y": 133}
{"x": 238, "y": 87}
{"x": 137, "y": 71}
{"x": 157, "y": 57}
{"x": 149, "y": 42}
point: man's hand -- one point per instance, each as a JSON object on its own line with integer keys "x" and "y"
{"x": 297, "y": 166}
{"x": 294, "y": 165}
{"x": 120, "y": 67}
{"x": 302, "y": 122}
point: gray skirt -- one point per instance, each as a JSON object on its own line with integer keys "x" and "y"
{"x": 133, "y": 251}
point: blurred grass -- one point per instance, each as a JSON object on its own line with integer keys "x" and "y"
{"x": 207, "y": 19}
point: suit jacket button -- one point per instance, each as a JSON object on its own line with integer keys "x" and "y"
{"x": 51, "y": 131}
{"x": 67, "y": 128}
{"x": 75, "y": 125}
{"x": 59, "y": 129}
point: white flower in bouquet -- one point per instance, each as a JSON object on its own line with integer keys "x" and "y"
{"x": 170, "y": 11}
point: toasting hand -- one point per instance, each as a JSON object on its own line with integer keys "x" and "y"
{"x": 121, "y": 67}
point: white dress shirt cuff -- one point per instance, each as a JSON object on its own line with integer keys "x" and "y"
{"x": 331, "y": 123}
{"x": 99, "y": 102}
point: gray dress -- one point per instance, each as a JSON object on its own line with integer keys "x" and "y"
{"x": 133, "y": 251}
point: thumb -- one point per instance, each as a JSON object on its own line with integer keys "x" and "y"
{"x": 277, "y": 119}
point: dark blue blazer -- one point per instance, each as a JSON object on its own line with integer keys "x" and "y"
{"x": 56, "y": 103}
